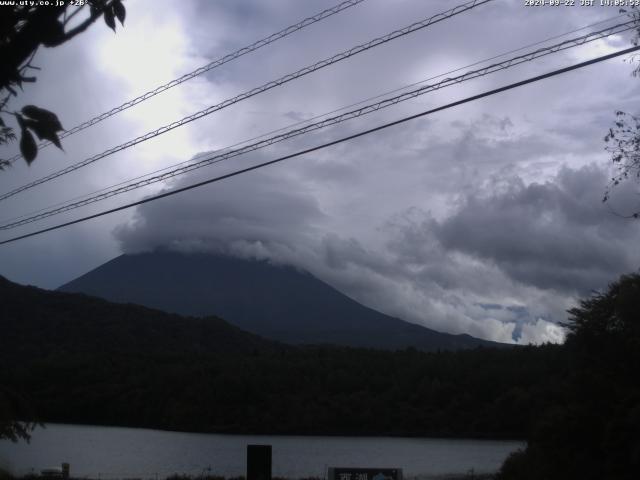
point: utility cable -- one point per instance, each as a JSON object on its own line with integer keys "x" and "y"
{"x": 310, "y": 119}
{"x": 255, "y": 91}
{"x": 327, "y": 122}
{"x": 199, "y": 71}
{"x": 329, "y": 144}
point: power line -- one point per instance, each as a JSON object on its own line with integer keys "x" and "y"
{"x": 328, "y": 122}
{"x": 255, "y": 91}
{"x": 315, "y": 117}
{"x": 329, "y": 144}
{"x": 199, "y": 71}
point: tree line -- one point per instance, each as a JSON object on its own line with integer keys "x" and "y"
{"x": 78, "y": 359}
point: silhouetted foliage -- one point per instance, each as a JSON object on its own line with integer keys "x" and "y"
{"x": 623, "y": 138}
{"x": 593, "y": 433}
{"x": 12, "y": 407}
{"x": 25, "y": 27}
{"x": 85, "y": 360}
{"x": 623, "y": 142}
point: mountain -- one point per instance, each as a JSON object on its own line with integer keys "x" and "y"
{"x": 36, "y": 323}
{"x": 276, "y": 302}
{"x": 72, "y": 358}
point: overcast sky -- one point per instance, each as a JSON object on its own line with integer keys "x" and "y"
{"x": 483, "y": 219}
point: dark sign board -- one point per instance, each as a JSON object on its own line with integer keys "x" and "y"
{"x": 258, "y": 462}
{"x": 340, "y": 473}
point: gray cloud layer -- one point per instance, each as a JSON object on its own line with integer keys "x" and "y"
{"x": 553, "y": 235}
{"x": 483, "y": 219}
{"x": 505, "y": 263}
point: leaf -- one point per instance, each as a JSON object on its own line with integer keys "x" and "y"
{"x": 28, "y": 146}
{"x": 52, "y": 33}
{"x": 109, "y": 19}
{"x": 44, "y": 131}
{"x": 120, "y": 11}
{"x": 44, "y": 116}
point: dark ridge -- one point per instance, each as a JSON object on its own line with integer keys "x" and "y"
{"x": 276, "y": 302}
{"x": 35, "y": 321}
{"x": 71, "y": 358}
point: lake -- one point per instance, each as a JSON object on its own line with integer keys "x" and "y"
{"x": 112, "y": 452}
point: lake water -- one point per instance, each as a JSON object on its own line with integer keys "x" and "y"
{"x": 108, "y": 452}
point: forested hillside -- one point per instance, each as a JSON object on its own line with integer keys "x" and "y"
{"x": 84, "y": 360}
{"x": 593, "y": 432}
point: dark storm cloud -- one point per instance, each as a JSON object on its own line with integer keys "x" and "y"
{"x": 526, "y": 246}
{"x": 271, "y": 216}
{"x": 553, "y": 235}
{"x": 253, "y": 208}
{"x": 392, "y": 219}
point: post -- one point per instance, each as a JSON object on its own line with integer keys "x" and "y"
{"x": 258, "y": 462}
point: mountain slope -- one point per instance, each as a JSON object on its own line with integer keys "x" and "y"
{"x": 71, "y": 358}
{"x": 276, "y": 302}
{"x": 34, "y": 322}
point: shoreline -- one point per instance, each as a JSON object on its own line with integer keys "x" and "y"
{"x": 115, "y": 453}
{"x": 471, "y": 475}
{"x": 238, "y": 433}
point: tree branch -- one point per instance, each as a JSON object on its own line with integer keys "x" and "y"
{"x": 75, "y": 12}
{"x": 93, "y": 16}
